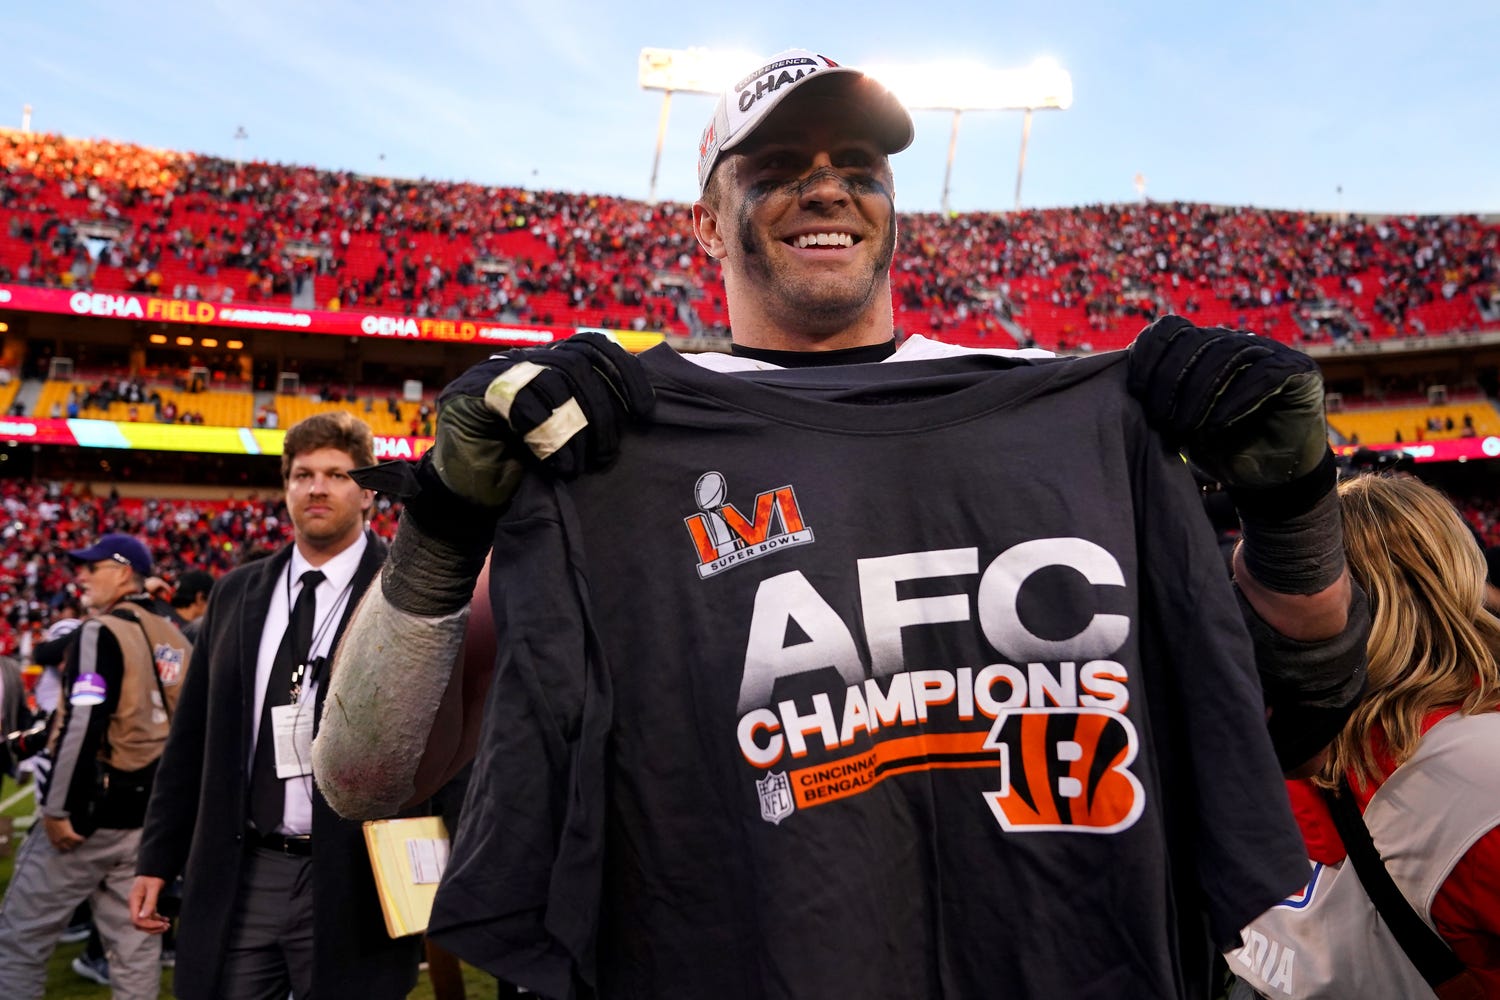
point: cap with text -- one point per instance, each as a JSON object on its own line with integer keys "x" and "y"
{"x": 123, "y": 549}
{"x": 748, "y": 102}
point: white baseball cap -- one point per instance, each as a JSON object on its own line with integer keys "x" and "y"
{"x": 747, "y": 103}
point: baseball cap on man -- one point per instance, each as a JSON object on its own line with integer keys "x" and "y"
{"x": 748, "y": 102}
{"x": 121, "y": 548}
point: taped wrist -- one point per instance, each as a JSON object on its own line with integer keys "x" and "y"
{"x": 444, "y": 515}
{"x": 430, "y": 576}
{"x": 1293, "y": 534}
{"x": 1313, "y": 687}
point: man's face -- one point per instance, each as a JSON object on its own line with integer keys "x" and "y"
{"x": 194, "y": 611}
{"x": 804, "y": 218}
{"x": 103, "y": 582}
{"x": 326, "y": 506}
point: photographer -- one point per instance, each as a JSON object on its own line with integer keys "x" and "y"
{"x": 122, "y": 676}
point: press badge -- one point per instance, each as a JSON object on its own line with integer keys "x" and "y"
{"x": 292, "y": 731}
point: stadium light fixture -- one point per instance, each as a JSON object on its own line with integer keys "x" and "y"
{"x": 692, "y": 71}
{"x": 965, "y": 86}
{"x": 234, "y": 345}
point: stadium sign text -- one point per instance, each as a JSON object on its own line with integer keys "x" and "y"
{"x": 128, "y": 306}
{"x": 100, "y": 304}
{"x": 408, "y": 448}
{"x": 153, "y": 436}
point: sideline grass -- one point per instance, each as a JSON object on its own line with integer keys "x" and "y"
{"x": 64, "y": 984}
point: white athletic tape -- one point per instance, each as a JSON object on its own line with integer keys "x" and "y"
{"x": 501, "y": 394}
{"x": 557, "y": 430}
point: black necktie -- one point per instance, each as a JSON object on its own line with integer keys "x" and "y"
{"x": 268, "y": 792}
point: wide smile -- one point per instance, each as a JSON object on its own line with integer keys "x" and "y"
{"x": 830, "y": 240}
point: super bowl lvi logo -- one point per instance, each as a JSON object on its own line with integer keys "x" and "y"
{"x": 725, "y": 537}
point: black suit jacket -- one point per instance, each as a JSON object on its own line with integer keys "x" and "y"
{"x": 199, "y": 809}
{"x": 11, "y": 702}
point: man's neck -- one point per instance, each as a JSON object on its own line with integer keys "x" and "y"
{"x": 119, "y": 600}
{"x": 755, "y": 324}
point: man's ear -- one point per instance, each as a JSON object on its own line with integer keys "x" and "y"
{"x": 706, "y": 228}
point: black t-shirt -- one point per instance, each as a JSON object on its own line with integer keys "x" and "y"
{"x": 901, "y": 680}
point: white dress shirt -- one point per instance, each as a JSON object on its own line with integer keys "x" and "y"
{"x": 333, "y": 597}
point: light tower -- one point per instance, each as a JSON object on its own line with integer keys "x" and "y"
{"x": 693, "y": 71}
{"x": 960, "y": 87}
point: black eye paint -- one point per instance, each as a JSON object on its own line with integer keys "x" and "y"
{"x": 859, "y": 186}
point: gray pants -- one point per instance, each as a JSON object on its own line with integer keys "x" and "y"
{"x": 270, "y": 950}
{"x": 47, "y": 886}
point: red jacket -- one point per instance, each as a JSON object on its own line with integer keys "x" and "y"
{"x": 1467, "y": 907}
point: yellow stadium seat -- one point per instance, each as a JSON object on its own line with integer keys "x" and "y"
{"x": 1379, "y": 425}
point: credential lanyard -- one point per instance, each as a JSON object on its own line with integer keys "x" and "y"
{"x": 310, "y": 664}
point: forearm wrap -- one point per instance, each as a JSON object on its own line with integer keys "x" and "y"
{"x": 387, "y": 683}
{"x": 1293, "y": 534}
{"x": 1310, "y": 687}
{"x": 430, "y": 577}
{"x": 441, "y": 541}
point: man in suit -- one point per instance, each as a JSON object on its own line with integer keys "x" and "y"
{"x": 278, "y": 891}
{"x": 10, "y": 693}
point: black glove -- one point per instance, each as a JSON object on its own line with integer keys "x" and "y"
{"x": 1247, "y": 409}
{"x": 561, "y": 408}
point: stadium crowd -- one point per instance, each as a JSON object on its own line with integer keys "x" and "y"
{"x": 43, "y": 521}
{"x": 114, "y": 216}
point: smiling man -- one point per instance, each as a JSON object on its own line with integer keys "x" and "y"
{"x": 802, "y": 214}
{"x": 278, "y": 896}
{"x": 917, "y": 679}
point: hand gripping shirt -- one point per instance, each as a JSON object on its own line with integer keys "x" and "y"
{"x": 889, "y": 681}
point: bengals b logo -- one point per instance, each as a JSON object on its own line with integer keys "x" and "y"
{"x": 1065, "y": 769}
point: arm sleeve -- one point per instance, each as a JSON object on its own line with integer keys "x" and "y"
{"x": 172, "y": 811}
{"x": 82, "y": 728}
{"x": 1311, "y": 688}
{"x": 54, "y": 651}
{"x": 389, "y": 677}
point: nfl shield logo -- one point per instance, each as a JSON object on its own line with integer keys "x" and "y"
{"x": 775, "y": 797}
{"x": 168, "y": 664}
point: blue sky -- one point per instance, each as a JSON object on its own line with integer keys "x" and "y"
{"x": 1272, "y": 104}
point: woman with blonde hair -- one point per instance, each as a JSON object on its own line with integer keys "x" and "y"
{"x": 1420, "y": 758}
